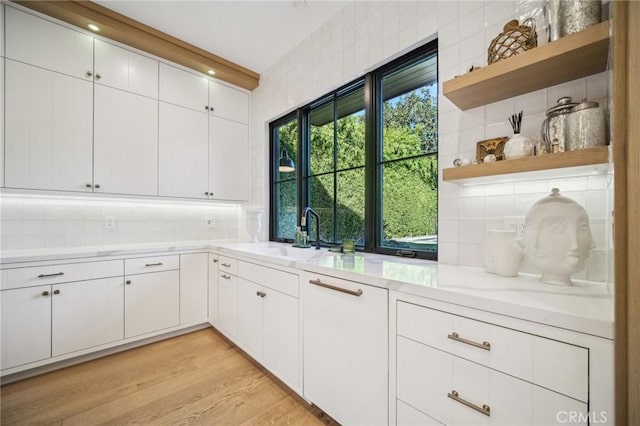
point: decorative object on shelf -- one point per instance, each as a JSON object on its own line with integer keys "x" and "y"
{"x": 585, "y": 126}
{"x": 254, "y": 223}
{"x": 552, "y": 13}
{"x": 514, "y": 39}
{"x": 557, "y": 238}
{"x": 459, "y": 162}
{"x": 577, "y": 15}
{"x": 554, "y": 126}
{"x": 502, "y": 254}
{"x": 517, "y": 146}
{"x": 489, "y": 158}
{"x": 493, "y": 146}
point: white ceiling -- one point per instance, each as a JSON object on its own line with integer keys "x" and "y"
{"x": 254, "y": 34}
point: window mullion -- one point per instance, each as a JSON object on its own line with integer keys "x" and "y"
{"x": 371, "y": 147}
{"x": 335, "y": 167}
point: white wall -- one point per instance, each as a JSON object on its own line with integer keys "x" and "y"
{"x": 365, "y": 35}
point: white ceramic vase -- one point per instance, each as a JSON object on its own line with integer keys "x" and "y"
{"x": 502, "y": 254}
{"x": 557, "y": 238}
{"x": 518, "y": 146}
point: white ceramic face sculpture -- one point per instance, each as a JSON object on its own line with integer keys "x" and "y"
{"x": 557, "y": 238}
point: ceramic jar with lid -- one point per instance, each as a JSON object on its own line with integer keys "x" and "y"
{"x": 557, "y": 238}
{"x": 585, "y": 126}
{"x": 502, "y": 254}
{"x": 554, "y": 126}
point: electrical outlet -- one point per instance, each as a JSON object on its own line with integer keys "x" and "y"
{"x": 211, "y": 222}
{"x": 109, "y": 222}
{"x": 520, "y": 227}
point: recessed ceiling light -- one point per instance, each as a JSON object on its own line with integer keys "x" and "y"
{"x": 212, "y": 72}
{"x": 93, "y": 27}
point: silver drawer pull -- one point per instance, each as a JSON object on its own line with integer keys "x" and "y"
{"x": 57, "y": 274}
{"x": 215, "y": 260}
{"x": 154, "y": 264}
{"x": 485, "y": 409}
{"x": 318, "y": 282}
{"x": 225, "y": 276}
{"x": 484, "y": 345}
{"x": 226, "y": 265}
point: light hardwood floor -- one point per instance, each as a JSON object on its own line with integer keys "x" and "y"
{"x": 197, "y": 379}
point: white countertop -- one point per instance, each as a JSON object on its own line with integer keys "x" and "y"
{"x": 586, "y": 307}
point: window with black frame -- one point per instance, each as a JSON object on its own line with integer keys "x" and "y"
{"x": 284, "y": 187}
{"x": 368, "y": 161}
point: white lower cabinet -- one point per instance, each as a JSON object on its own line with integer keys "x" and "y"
{"x": 250, "y": 313}
{"x": 26, "y": 325}
{"x": 151, "y": 302}
{"x": 213, "y": 289}
{"x": 194, "y": 288}
{"x": 345, "y": 349}
{"x": 86, "y": 314}
{"x": 228, "y": 304}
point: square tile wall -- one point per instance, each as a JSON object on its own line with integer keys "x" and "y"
{"x": 366, "y": 34}
{"x": 38, "y": 222}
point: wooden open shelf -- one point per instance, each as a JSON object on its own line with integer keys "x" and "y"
{"x": 583, "y": 161}
{"x": 571, "y": 57}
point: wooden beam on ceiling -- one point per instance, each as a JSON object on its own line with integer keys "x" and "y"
{"x": 123, "y": 29}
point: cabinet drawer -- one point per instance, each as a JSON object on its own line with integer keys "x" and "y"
{"x": 228, "y": 264}
{"x": 406, "y": 415}
{"x": 523, "y": 355}
{"x": 283, "y": 282}
{"x": 456, "y": 391}
{"x": 142, "y": 265}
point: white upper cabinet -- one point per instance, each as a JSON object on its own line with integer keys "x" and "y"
{"x": 125, "y": 70}
{"x": 125, "y": 143}
{"x": 183, "y": 88}
{"x": 229, "y": 167}
{"x": 42, "y": 43}
{"x": 184, "y": 152}
{"x": 229, "y": 103}
{"x": 48, "y": 129}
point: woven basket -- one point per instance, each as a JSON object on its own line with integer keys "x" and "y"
{"x": 514, "y": 39}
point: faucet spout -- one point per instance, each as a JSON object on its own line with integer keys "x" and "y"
{"x": 305, "y": 221}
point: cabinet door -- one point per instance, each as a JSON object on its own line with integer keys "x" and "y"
{"x": 228, "y": 304}
{"x": 123, "y": 69}
{"x": 35, "y": 41}
{"x": 184, "y": 152}
{"x": 151, "y": 302}
{"x": 184, "y": 88}
{"x": 26, "y": 325}
{"x": 281, "y": 350}
{"x": 250, "y": 317}
{"x": 125, "y": 143}
{"x": 48, "y": 129}
{"x": 194, "y": 288}
{"x": 345, "y": 350}
{"x": 87, "y": 314}
{"x": 213, "y": 289}
{"x": 229, "y": 160}
{"x": 227, "y": 102}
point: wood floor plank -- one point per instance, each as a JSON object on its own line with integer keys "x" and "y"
{"x": 195, "y": 379}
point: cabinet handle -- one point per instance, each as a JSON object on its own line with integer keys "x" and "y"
{"x": 206, "y": 107}
{"x": 128, "y": 282}
{"x": 206, "y": 193}
{"x": 98, "y": 76}
{"x": 260, "y": 293}
{"x": 485, "y": 409}
{"x": 97, "y": 185}
{"x": 225, "y": 276}
{"x": 50, "y": 275}
{"x": 319, "y": 283}
{"x": 215, "y": 260}
{"x": 211, "y": 109}
{"x": 263, "y": 294}
{"x": 484, "y": 345}
{"x": 56, "y": 291}
{"x": 45, "y": 293}
{"x": 226, "y": 265}
{"x": 153, "y": 264}
{"x": 88, "y": 185}
{"x": 89, "y": 73}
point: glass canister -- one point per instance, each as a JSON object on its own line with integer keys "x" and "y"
{"x": 554, "y": 126}
{"x": 585, "y": 126}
